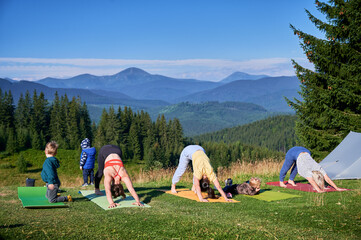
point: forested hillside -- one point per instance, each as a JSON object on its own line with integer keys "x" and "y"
{"x": 158, "y": 144}
{"x": 275, "y": 133}
{"x": 211, "y": 116}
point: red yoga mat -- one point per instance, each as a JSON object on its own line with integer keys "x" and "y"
{"x": 305, "y": 187}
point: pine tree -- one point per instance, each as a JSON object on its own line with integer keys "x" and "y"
{"x": 57, "y": 122}
{"x": 22, "y": 120}
{"x": 112, "y": 127}
{"x": 85, "y": 123}
{"x": 100, "y": 136}
{"x": 39, "y": 122}
{"x": 331, "y": 93}
{"x": 73, "y": 124}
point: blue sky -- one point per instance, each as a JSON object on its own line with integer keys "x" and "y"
{"x": 206, "y": 40}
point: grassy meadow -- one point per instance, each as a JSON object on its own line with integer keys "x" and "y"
{"x": 334, "y": 215}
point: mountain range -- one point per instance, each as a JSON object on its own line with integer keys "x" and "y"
{"x": 138, "y": 84}
{"x": 159, "y": 94}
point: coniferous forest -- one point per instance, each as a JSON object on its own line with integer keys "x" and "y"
{"x": 35, "y": 121}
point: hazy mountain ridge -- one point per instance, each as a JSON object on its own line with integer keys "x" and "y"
{"x": 255, "y": 91}
{"x": 241, "y": 76}
{"x": 89, "y": 96}
{"x": 135, "y": 83}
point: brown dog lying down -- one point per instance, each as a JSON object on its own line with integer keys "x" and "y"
{"x": 206, "y": 187}
{"x": 117, "y": 190}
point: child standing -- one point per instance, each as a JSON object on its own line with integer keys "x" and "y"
{"x": 87, "y": 159}
{"x": 49, "y": 174}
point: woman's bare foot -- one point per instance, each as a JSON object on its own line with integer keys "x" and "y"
{"x": 282, "y": 184}
{"x": 292, "y": 182}
{"x": 173, "y": 189}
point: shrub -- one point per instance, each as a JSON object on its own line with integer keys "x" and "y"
{"x": 21, "y": 164}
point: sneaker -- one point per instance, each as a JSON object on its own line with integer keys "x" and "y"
{"x": 229, "y": 195}
{"x": 84, "y": 185}
{"x": 92, "y": 184}
{"x": 229, "y": 182}
{"x": 69, "y": 198}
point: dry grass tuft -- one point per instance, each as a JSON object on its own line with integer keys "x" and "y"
{"x": 266, "y": 167}
{"x": 318, "y": 199}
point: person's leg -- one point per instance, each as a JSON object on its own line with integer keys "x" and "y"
{"x": 99, "y": 174}
{"x": 91, "y": 176}
{"x": 182, "y": 167}
{"x": 293, "y": 175}
{"x": 289, "y": 161}
{"x": 85, "y": 176}
{"x": 52, "y": 194}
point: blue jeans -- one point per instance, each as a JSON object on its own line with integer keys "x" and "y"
{"x": 88, "y": 173}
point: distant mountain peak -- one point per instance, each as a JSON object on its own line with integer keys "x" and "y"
{"x": 133, "y": 71}
{"x": 241, "y": 76}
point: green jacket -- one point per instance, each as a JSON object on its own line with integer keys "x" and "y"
{"x": 49, "y": 173}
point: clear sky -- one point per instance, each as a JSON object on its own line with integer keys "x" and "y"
{"x": 202, "y": 39}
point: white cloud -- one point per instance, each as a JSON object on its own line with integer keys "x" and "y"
{"x": 203, "y": 69}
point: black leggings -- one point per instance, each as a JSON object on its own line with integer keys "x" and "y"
{"x": 104, "y": 152}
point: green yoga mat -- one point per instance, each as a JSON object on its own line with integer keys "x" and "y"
{"x": 34, "y": 197}
{"x": 270, "y": 196}
{"x": 102, "y": 201}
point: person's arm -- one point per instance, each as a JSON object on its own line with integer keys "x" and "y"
{"x": 107, "y": 186}
{"x": 314, "y": 185}
{"x": 329, "y": 181}
{"x": 129, "y": 184}
{"x": 220, "y": 190}
{"x": 198, "y": 189}
{"x": 83, "y": 159}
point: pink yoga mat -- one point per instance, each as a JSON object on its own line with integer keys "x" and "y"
{"x": 306, "y": 187}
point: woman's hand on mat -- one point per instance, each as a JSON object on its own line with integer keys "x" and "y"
{"x": 138, "y": 204}
{"x": 229, "y": 200}
{"x": 113, "y": 205}
{"x": 203, "y": 200}
{"x": 321, "y": 191}
{"x": 51, "y": 186}
{"x": 341, "y": 189}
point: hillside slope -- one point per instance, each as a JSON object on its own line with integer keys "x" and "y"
{"x": 275, "y": 133}
{"x": 211, "y": 116}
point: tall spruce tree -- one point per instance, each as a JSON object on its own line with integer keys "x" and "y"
{"x": 331, "y": 93}
{"x": 22, "y": 120}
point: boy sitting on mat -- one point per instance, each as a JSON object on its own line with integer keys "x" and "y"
{"x": 202, "y": 169}
{"x": 49, "y": 174}
{"x": 251, "y": 187}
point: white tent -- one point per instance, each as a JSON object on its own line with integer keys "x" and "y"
{"x": 344, "y": 162}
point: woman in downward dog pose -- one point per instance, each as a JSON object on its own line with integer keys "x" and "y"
{"x": 111, "y": 166}
{"x": 307, "y": 167}
{"x": 202, "y": 170}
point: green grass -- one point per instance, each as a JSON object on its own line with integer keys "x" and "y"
{"x": 334, "y": 215}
